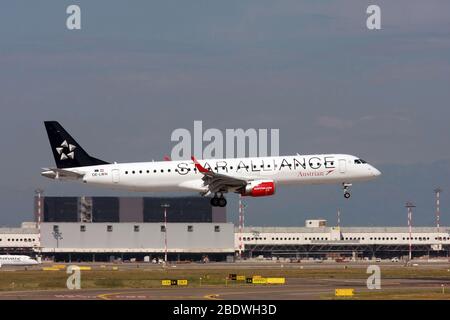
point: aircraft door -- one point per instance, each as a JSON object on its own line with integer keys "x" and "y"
{"x": 342, "y": 165}
{"x": 115, "y": 175}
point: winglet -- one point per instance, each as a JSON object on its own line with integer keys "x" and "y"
{"x": 199, "y": 167}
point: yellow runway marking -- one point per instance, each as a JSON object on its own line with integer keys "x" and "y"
{"x": 109, "y": 296}
{"x": 105, "y": 296}
{"x": 212, "y": 297}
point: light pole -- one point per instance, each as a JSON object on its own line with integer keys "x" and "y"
{"x": 165, "y": 206}
{"x": 241, "y": 225}
{"x": 409, "y": 205}
{"x": 339, "y": 218}
{"x": 39, "y": 192}
{"x": 58, "y": 236}
{"x": 438, "y": 191}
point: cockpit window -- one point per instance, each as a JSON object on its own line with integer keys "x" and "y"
{"x": 360, "y": 161}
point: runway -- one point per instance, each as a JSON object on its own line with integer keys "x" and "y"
{"x": 295, "y": 289}
{"x": 420, "y": 264}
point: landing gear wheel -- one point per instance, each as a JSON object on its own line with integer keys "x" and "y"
{"x": 215, "y": 202}
{"x": 218, "y": 200}
{"x": 346, "y": 187}
{"x": 222, "y": 202}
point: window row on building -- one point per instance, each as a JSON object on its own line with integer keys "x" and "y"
{"x": 396, "y": 238}
{"x": 344, "y": 238}
{"x": 136, "y": 228}
{"x": 17, "y": 239}
{"x": 285, "y": 238}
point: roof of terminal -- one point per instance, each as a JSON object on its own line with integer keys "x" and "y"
{"x": 19, "y": 231}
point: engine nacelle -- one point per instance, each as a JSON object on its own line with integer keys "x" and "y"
{"x": 259, "y": 188}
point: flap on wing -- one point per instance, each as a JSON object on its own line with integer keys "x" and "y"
{"x": 217, "y": 181}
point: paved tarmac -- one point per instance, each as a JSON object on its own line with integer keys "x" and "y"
{"x": 294, "y": 289}
{"x": 422, "y": 264}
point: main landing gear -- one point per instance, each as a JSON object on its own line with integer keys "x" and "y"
{"x": 218, "y": 200}
{"x": 346, "y": 187}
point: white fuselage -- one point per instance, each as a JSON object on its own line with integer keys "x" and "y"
{"x": 16, "y": 260}
{"x": 168, "y": 176}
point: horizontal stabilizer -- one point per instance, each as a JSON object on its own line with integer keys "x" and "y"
{"x": 61, "y": 174}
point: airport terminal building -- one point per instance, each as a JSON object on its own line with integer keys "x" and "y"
{"x": 189, "y": 228}
{"x": 356, "y": 242}
{"x": 111, "y": 228}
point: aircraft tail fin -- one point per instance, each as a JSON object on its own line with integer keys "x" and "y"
{"x": 66, "y": 151}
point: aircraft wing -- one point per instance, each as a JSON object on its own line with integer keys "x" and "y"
{"x": 217, "y": 182}
{"x": 54, "y": 173}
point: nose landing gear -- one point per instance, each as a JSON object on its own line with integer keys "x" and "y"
{"x": 218, "y": 200}
{"x": 346, "y": 187}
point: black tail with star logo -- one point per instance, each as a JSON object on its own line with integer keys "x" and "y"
{"x": 67, "y": 152}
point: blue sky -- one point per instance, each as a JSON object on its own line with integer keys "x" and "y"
{"x": 135, "y": 72}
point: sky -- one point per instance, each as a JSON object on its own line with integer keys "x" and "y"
{"x": 137, "y": 71}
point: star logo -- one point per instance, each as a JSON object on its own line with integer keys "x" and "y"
{"x": 66, "y": 150}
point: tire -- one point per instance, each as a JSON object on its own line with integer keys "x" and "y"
{"x": 347, "y": 195}
{"x": 222, "y": 202}
{"x": 214, "y": 202}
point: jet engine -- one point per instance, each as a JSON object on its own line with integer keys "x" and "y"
{"x": 259, "y": 188}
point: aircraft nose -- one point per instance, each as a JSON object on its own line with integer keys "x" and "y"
{"x": 375, "y": 171}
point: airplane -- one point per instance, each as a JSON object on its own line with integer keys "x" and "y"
{"x": 255, "y": 177}
{"x": 17, "y": 260}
